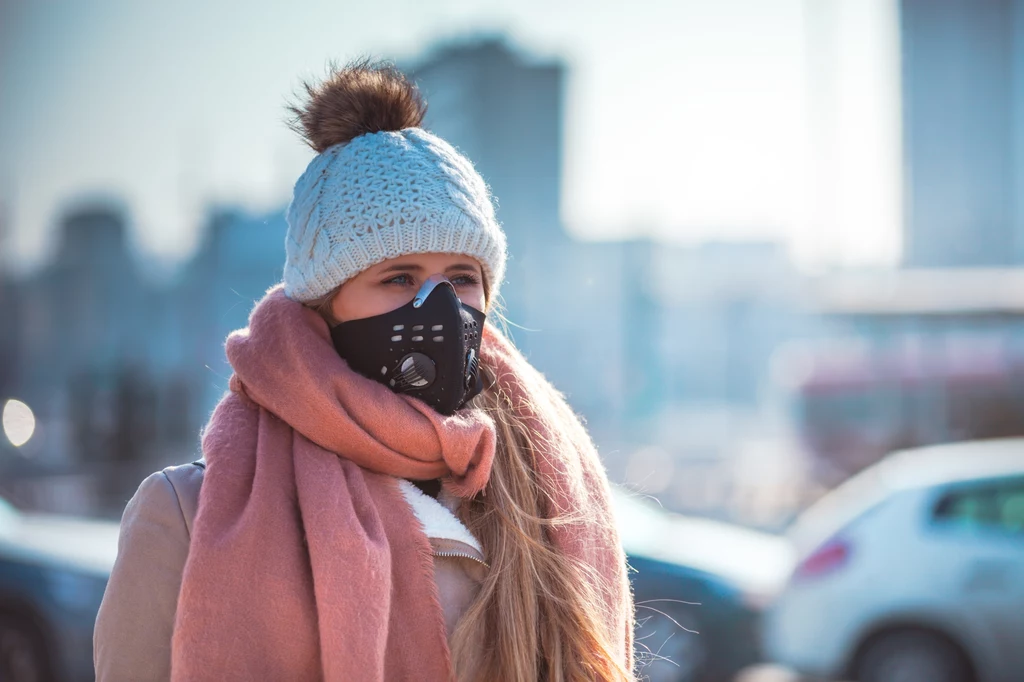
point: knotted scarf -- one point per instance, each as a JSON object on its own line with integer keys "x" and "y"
{"x": 305, "y": 561}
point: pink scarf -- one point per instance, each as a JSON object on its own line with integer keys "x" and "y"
{"x": 305, "y": 561}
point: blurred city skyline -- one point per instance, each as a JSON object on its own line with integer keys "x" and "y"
{"x": 174, "y": 111}
{"x": 701, "y": 348}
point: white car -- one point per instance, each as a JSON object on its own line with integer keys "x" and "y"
{"x": 911, "y": 571}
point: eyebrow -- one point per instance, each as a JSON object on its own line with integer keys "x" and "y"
{"x": 413, "y": 267}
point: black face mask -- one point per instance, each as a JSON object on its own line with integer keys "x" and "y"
{"x": 428, "y": 348}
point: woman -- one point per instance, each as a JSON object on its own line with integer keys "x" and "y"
{"x": 388, "y": 491}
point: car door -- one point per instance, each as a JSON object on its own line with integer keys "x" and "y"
{"x": 985, "y": 522}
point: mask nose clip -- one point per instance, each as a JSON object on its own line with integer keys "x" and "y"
{"x": 428, "y": 287}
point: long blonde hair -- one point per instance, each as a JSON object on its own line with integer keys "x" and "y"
{"x": 537, "y": 616}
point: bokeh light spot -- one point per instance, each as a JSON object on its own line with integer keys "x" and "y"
{"x": 19, "y": 422}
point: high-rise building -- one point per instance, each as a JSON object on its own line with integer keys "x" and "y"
{"x": 963, "y": 132}
{"x": 854, "y": 173}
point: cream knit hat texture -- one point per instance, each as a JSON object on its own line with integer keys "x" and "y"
{"x": 382, "y": 195}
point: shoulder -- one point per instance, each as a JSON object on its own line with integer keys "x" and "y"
{"x": 135, "y": 621}
{"x": 171, "y": 494}
{"x": 186, "y": 480}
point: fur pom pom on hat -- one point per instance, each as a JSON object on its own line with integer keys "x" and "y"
{"x": 380, "y": 186}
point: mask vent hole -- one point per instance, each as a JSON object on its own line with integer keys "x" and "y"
{"x": 397, "y": 337}
{"x": 438, "y": 338}
{"x": 417, "y": 328}
{"x": 437, "y": 328}
{"x": 417, "y": 338}
{"x": 398, "y": 327}
{"x": 384, "y": 370}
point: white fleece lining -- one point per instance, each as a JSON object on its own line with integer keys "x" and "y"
{"x": 438, "y": 521}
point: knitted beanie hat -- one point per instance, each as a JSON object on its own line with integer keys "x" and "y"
{"x": 380, "y": 186}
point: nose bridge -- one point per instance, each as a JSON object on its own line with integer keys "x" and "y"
{"x": 429, "y": 285}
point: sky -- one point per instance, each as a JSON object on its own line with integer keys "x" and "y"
{"x": 688, "y": 120}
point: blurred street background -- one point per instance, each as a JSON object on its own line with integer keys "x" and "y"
{"x": 760, "y": 244}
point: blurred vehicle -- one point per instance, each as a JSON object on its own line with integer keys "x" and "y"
{"x": 913, "y": 570}
{"x": 53, "y": 571}
{"x": 700, "y": 586}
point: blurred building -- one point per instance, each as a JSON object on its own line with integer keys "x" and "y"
{"x": 646, "y": 339}
{"x": 933, "y": 352}
{"x": 853, "y": 126}
{"x": 963, "y": 131}
{"x": 240, "y": 256}
{"x": 731, "y": 305}
{"x": 83, "y": 331}
{"x": 906, "y": 358}
{"x": 120, "y": 369}
{"x": 78, "y": 352}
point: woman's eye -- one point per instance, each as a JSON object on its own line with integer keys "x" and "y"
{"x": 407, "y": 280}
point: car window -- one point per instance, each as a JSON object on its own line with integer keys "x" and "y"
{"x": 992, "y": 505}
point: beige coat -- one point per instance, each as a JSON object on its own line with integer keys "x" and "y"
{"x": 132, "y": 640}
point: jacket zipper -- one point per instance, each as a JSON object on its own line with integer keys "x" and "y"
{"x": 448, "y": 553}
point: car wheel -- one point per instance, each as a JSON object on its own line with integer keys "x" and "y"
{"x": 912, "y": 656}
{"x": 22, "y": 652}
{"x": 668, "y": 643}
